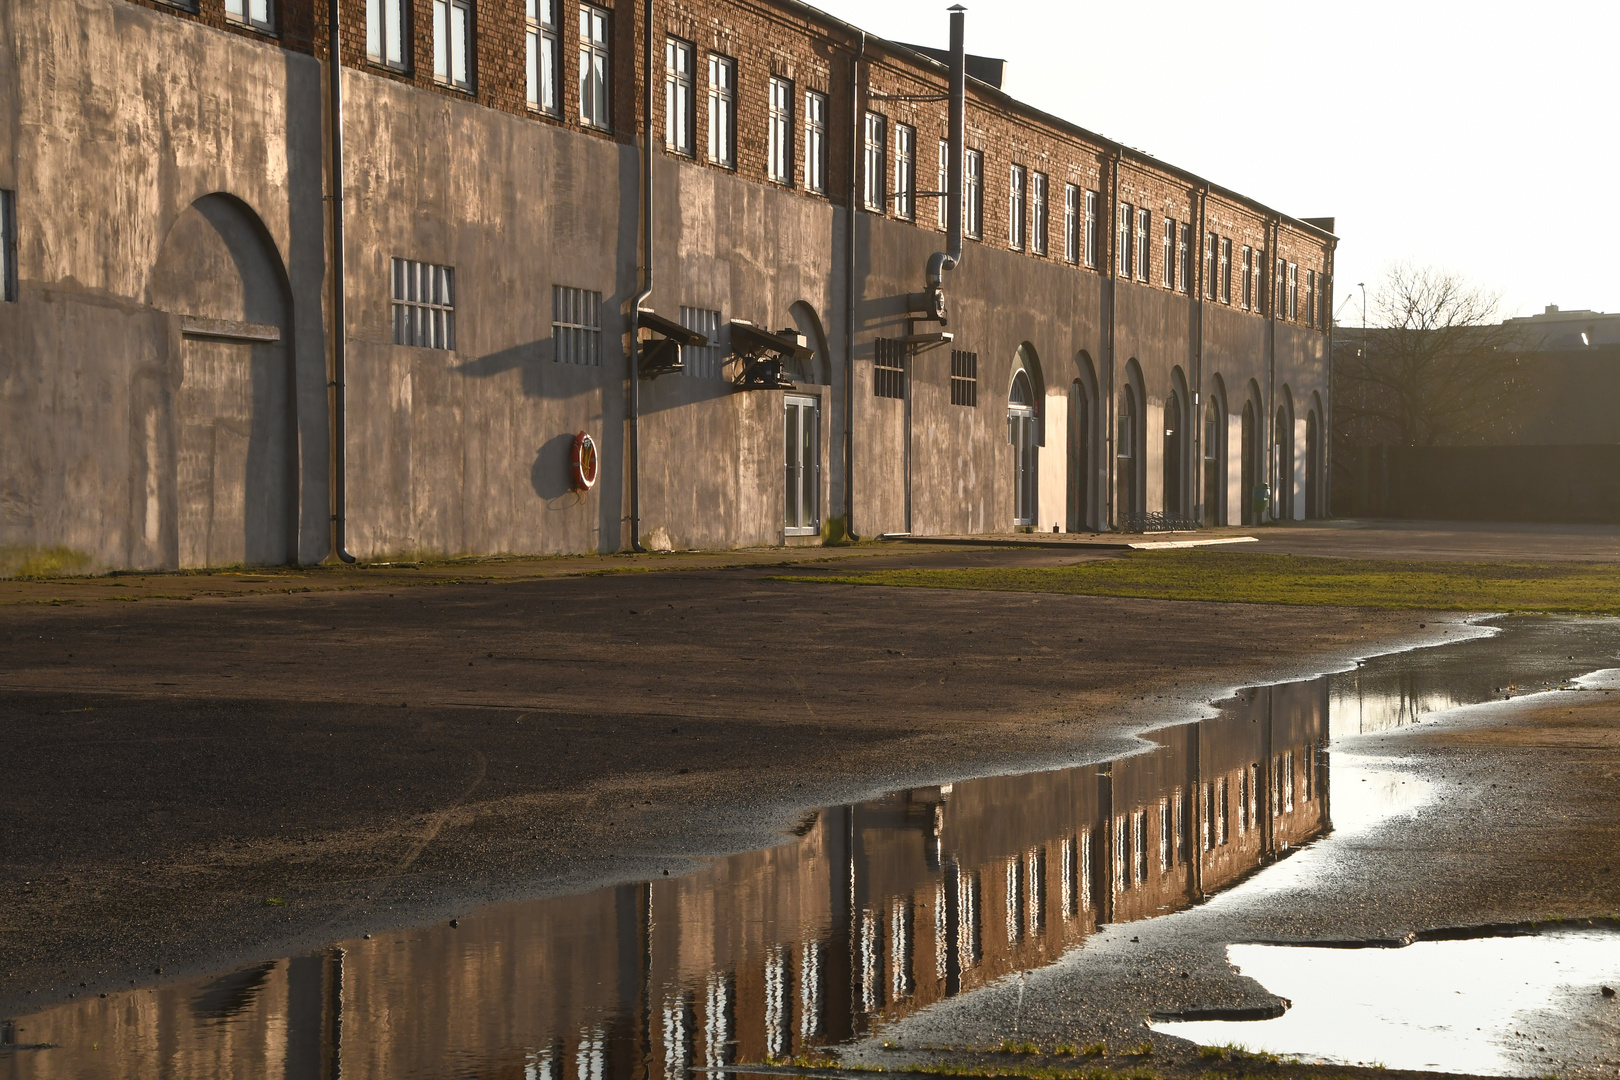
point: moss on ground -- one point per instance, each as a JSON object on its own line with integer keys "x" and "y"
{"x": 1255, "y": 578}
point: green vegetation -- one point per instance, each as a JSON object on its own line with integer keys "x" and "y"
{"x": 1253, "y": 578}
{"x": 1009, "y": 1047}
{"x": 35, "y": 562}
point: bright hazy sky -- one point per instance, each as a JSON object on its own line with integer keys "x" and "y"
{"x": 1480, "y": 137}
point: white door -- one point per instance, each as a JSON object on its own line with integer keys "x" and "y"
{"x": 802, "y": 482}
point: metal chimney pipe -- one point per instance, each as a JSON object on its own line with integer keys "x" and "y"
{"x": 941, "y": 261}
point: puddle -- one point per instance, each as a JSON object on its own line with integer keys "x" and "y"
{"x": 1471, "y": 1006}
{"x": 874, "y": 911}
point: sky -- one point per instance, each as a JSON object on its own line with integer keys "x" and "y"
{"x": 1479, "y": 138}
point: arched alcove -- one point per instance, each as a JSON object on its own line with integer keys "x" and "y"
{"x": 234, "y": 467}
{"x": 817, "y": 370}
{"x": 1216, "y": 496}
{"x": 1080, "y": 514}
{"x": 1282, "y": 446}
{"x": 1177, "y": 441}
{"x": 1130, "y": 442}
{"x": 1021, "y": 432}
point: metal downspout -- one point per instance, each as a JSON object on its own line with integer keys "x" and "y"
{"x": 1110, "y": 413}
{"x": 849, "y": 289}
{"x": 1197, "y": 417}
{"x": 1277, "y": 293}
{"x": 1326, "y": 435}
{"x": 646, "y": 271}
{"x": 951, "y": 257}
{"x": 339, "y": 405}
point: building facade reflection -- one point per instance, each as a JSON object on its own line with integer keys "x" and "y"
{"x": 878, "y": 909}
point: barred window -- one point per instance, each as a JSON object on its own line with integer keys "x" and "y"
{"x": 254, "y": 13}
{"x": 8, "y": 246}
{"x": 576, "y": 326}
{"x": 1071, "y": 223}
{"x": 704, "y": 362}
{"x": 964, "y": 378}
{"x": 889, "y": 369}
{"x": 424, "y": 305}
{"x": 815, "y": 142}
{"x": 680, "y": 96}
{"x": 542, "y": 55}
{"x": 385, "y": 32}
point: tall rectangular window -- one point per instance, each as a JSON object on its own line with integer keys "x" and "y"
{"x": 889, "y": 369}
{"x": 723, "y": 110}
{"x": 8, "y": 246}
{"x": 576, "y": 326}
{"x": 1071, "y": 223}
{"x": 973, "y": 193}
{"x": 1310, "y": 298}
{"x": 1226, "y": 270}
{"x": 873, "y": 167}
{"x": 944, "y": 184}
{"x": 452, "y": 42}
{"x": 385, "y": 32}
{"x": 905, "y": 171}
{"x": 1123, "y": 262}
{"x": 593, "y": 66}
{"x": 424, "y": 306}
{"x": 1184, "y": 258}
{"x": 1037, "y": 217}
{"x": 542, "y": 54}
{"x": 1248, "y": 277}
{"x": 254, "y": 13}
{"x": 1015, "y": 208}
{"x": 701, "y": 363}
{"x": 1144, "y": 230}
{"x": 1259, "y": 281}
{"x": 815, "y": 142}
{"x": 680, "y": 96}
{"x": 1092, "y": 239}
{"x": 964, "y": 378}
{"x": 1293, "y": 291}
{"x": 779, "y": 132}
{"x": 1169, "y": 253}
{"x": 1211, "y": 246}
{"x": 1280, "y": 304}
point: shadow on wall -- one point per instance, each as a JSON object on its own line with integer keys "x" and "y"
{"x": 551, "y": 475}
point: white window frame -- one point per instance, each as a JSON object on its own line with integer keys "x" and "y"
{"x": 1293, "y": 292}
{"x": 1124, "y": 259}
{"x": 905, "y": 172}
{"x": 722, "y": 111}
{"x": 1169, "y": 252}
{"x": 1184, "y": 258}
{"x": 1247, "y": 294}
{"x": 542, "y": 54}
{"x": 1226, "y": 269}
{"x": 1280, "y": 304}
{"x": 453, "y": 43}
{"x": 779, "y": 131}
{"x": 576, "y": 326}
{"x": 1037, "y": 212}
{"x": 815, "y": 142}
{"x": 1211, "y": 252}
{"x": 1016, "y": 207}
{"x": 385, "y": 33}
{"x": 680, "y": 96}
{"x": 258, "y": 14}
{"x": 1144, "y": 246}
{"x": 423, "y": 307}
{"x": 874, "y": 133}
{"x": 944, "y": 185}
{"x": 1310, "y": 299}
{"x": 595, "y": 67}
{"x": 973, "y": 193}
{"x": 1071, "y": 223}
{"x": 1091, "y": 237}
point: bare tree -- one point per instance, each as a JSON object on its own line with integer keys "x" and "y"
{"x": 1436, "y": 366}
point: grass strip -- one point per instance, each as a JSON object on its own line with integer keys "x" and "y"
{"x": 1255, "y": 578}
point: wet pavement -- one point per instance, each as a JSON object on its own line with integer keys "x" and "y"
{"x": 1060, "y": 906}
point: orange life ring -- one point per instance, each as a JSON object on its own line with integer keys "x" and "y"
{"x": 585, "y": 463}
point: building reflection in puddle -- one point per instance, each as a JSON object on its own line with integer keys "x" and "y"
{"x": 876, "y": 910}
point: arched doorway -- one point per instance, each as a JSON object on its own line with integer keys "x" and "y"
{"x": 1079, "y": 479}
{"x": 1174, "y": 489}
{"x": 235, "y": 467}
{"x": 1126, "y": 507}
{"x": 1282, "y": 496}
{"x": 1214, "y": 458}
{"x": 1024, "y": 438}
{"x": 1313, "y": 466}
{"x": 1251, "y": 477}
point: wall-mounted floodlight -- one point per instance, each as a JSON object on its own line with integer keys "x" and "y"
{"x": 661, "y": 354}
{"x": 762, "y": 353}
